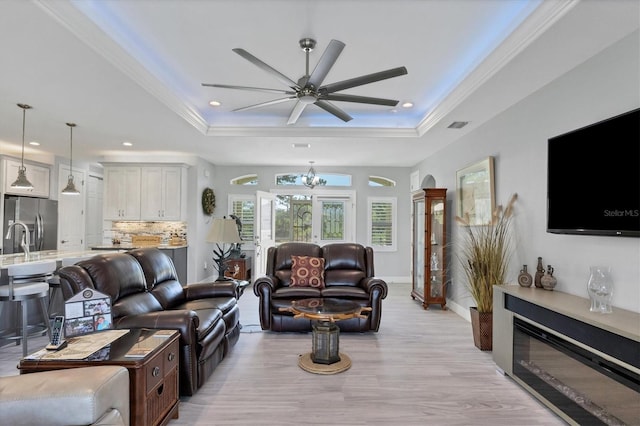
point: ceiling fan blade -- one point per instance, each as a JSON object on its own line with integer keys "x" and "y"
{"x": 327, "y": 106}
{"x": 255, "y": 89}
{"x": 262, "y": 104}
{"x": 365, "y": 79}
{"x": 359, "y": 99}
{"x": 257, "y": 62}
{"x": 295, "y": 113}
{"x": 328, "y": 58}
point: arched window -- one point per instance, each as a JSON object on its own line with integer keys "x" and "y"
{"x": 326, "y": 179}
{"x": 245, "y": 180}
{"x": 381, "y": 181}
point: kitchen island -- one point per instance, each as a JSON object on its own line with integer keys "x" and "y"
{"x": 177, "y": 253}
{"x": 39, "y": 256}
{"x": 8, "y": 317}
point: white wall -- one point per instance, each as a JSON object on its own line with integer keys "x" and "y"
{"x": 391, "y": 265}
{"x": 602, "y": 87}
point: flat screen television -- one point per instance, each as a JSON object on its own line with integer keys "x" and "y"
{"x": 593, "y": 179}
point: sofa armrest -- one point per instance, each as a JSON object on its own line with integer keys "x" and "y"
{"x": 265, "y": 285}
{"x": 184, "y": 320}
{"x": 79, "y": 396}
{"x": 211, "y": 289}
{"x": 375, "y": 285}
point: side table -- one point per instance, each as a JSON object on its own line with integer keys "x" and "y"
{"x": 150, "y": 356}
{"x": 238, "y": 268}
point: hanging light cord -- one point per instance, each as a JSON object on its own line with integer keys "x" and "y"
{"x": 71, "y": 126}
{"x": 24, "y": 107}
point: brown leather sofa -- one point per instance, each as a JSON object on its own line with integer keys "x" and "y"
{"x": 348, "y": 274}
{"x": 145, "y": 293}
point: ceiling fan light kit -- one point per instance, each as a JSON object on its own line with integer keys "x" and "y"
{"x": 309, "y": 89}
{"x": 22, "y": 182}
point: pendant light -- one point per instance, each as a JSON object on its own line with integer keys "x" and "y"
{"x": 310, "y": 179}
{"x": 22, "y": 182}
{"x": 70, "y": 189}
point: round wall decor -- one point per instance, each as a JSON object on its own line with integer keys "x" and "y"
{"x": 208, "y": 201}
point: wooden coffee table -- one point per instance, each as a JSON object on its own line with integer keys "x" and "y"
{"x": 325, "y": 357}
{"x": 150, "y": 356}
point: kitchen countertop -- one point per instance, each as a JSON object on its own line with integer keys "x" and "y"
{"x": 40, "y": 256}
{"x": 127, "y": 246}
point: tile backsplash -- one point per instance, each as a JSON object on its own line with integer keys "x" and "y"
{"x": 124, "y": 230}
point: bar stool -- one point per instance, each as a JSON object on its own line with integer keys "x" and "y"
{"x": 27, "y": 281}
{"x": 54, "y": 281}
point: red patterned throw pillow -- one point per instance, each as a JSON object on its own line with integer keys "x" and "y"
{"x": 307, "y": 271}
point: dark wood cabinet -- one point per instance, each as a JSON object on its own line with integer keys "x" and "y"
{"x": 429, "y": 207}
{"x": 239, "y": 269}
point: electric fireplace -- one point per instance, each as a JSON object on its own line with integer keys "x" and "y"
{"x": 584, "y": 366}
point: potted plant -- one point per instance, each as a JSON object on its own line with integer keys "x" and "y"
{"x": 484, "y": 258}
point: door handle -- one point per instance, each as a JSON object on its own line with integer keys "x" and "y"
{"x": 63, "y": 241}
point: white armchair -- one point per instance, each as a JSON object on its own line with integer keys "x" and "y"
{"x": 80, "y": 396}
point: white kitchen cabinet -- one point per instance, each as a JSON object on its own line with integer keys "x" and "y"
{"x": 122, "y": 193}
{"x": 161, "y": 193}
{"x": 37, "y": 175}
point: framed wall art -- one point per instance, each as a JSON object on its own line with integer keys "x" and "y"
{"x": 475, "y": 192}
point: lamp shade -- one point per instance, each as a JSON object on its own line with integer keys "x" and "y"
{"x": 224, "y": 231}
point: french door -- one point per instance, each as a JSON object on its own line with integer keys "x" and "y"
{"x": 264, "y": 230}
{"x": 332, "y": 219}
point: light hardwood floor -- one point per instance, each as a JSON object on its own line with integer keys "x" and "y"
{"x": 421, "y": 368}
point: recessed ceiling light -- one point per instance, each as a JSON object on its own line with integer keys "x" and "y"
{"x": 300, "y": 145}
{"x": 127, "y": 144}
{"x": 215, "y": 103}
{"x": 407, "y": 105}
{"x": 34, "y": 143}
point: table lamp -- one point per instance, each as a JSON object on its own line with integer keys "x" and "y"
{"x": 223, "y": 231}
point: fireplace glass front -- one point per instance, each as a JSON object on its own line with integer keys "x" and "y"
{"x": 588, "y": 388}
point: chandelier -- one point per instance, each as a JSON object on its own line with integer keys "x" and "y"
{"x": 310, "y": 179}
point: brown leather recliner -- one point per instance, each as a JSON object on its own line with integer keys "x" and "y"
{"x": 145, "y": 293}
{"x": 349, "y": 274}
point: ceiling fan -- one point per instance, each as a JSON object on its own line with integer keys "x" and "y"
{"x": 309, "y": 90}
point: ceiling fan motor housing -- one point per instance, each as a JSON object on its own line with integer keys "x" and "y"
{"x": 307, "y": 44}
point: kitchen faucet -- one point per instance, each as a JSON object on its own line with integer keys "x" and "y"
{"x": 25, "y": 238}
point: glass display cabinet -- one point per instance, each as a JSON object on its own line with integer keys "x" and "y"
{"x": 429, "y": 247}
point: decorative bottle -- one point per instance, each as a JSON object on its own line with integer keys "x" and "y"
{"x": 600, "y": 287}
{"x": 524, "y": 278}
{"x": 539, "y": 273}
{"x": 548, "y": 280}
{"x": 435, "y": 264}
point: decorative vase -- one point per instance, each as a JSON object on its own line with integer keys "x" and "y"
{"x": 600, "y": 288}
{"x": 524, "y": 278}
{"x": 482, "y": 326}
{"x": 539, "y": 273}
{"x": 548, "y": 281}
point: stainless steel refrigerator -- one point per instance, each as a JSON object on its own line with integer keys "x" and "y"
{"x": 41, "y": 217}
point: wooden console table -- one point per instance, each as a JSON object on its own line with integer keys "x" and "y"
{"x": 150, "y": 356}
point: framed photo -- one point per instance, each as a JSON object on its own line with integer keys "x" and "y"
{"x": 475, "y": 193}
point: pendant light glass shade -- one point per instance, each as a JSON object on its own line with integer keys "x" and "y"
{"x": 70, "y": 189}
{"x": 22, "y": 182}
{"x": 310, "y": 179}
